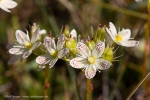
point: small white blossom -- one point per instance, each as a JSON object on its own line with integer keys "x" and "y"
{"x": 23, "y": 46}
{"x": 90, "y": 60}
{"x": 7, "y": 4}
{"x": 54, "y": 52}
{"x": 73, "y": 34}
{"x": 121, "y": 37}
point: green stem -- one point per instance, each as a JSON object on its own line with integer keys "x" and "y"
{"x": 46, "y": 84}
{"x": 137, "y": 86}
{"x": 119, "y": 9}
{"x": 88, "y": 94}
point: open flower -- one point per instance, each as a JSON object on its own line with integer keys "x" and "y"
{"x": 7, "y": 4}
{"x": 122, "y": 37}
{"x": 23, "y": 46}
{"x": 90, "y": 59}
{"x": 54, "y": 52}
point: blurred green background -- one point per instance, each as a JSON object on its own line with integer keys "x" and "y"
{"x": 116, "y": 83}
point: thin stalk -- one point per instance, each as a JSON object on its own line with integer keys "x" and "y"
{"x": 46, "y": 83}
{"x": 137, "y": 86}
{"x": 88, "y": 94}
{"x": 119, "y": 9}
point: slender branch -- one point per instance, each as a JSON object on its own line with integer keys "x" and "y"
{"x": 137, "y": 86}
{"x": 119, "y": 9}
{"x": 88, "y": 94}
{"x": 46, "y": 83}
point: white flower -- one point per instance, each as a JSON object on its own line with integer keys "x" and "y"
{"x": 7, "y": 4}
{"x": 54, "y": 52}
{"x": 90, "y": 59}
{"x": 122, "y": 37}
{"x": 73, "y": 34}
{"x": 24, "y": 46}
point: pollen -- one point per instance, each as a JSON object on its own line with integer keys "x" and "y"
{"x": 28, "y": 45}
{"x": 91, "y": 60}
{"x": 118, "y": 38}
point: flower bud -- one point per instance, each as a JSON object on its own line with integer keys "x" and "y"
{"x": 108, "y": 53}
{"x": 100, "y": 34}
{"x": 71, "y": 45}
{"x": 66, "y": 31}
{"x": 90, "y": 44}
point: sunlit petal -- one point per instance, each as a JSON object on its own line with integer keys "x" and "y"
{"x": 98, "y": 49}
{"x": 60, "y": 42}
{"x": 83, "y": 49}
{"x": 90, "y": 72}
{"x": 130, "y": 43}
{"x": 73, "y": 34}
{"x": 52, "y": 63}
{"x": 43, "y": 59}
{"x": 126, "y": 33}
{"x": 62, "y": 52}
{"x": 26, "y": 54}
{"x": 9, "y": 3}
{"x": 78, "y": 62}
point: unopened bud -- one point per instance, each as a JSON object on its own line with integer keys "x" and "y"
{"x": 66, "y": 31}
{"x": 71, "y": 45}
{"x": 100, "y": 34}
{"x": 108, "y": 53}
{"x": 90, "y": 44}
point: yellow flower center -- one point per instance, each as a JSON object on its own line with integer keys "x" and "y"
{"x": 28, "y": 45}
{"x": 91, "y": 60}
{"x": 118, "y": 38}
{"x": 53, "y": 53}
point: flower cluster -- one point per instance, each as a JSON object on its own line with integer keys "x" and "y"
{"x": 91, "y": 54}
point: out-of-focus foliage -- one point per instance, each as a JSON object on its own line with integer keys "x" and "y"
{"x": 23, "y": 78}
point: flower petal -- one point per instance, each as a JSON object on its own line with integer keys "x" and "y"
{"x": 9, "y": 3}
{"x": 130, "y": 43}
{"x": 73, "y": 34}
{"x": 83, "y": 50}
{"x": 21, "y": 37}
{"x": 47, "y": 41}
{"x": 53, "y": 44}
{"x": 98, "y": 49}
{"x": 35, "y": 35}
{"x": 27, "y": 53}
{"x": 13, "y": 59}
{"x": 112, "y": 29}
{"x": 52, "y": 63}
{"x": 78, "y": 62}
{"x": 102, "y": 64}
{"x": 62, "y": 53}
{"x": 60, "y": 42}
{"x": 90, "y": 72}
{"x": 16, "y": 51}
{"x": 42, "y": 32}
{"x": 125, "y": 33}
{"x": 35, "y": 45}
{"x": 43, "y": 59}
{"x": 4, "y": 8}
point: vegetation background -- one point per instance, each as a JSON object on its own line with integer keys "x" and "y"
{"x": 116, "y": 83}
